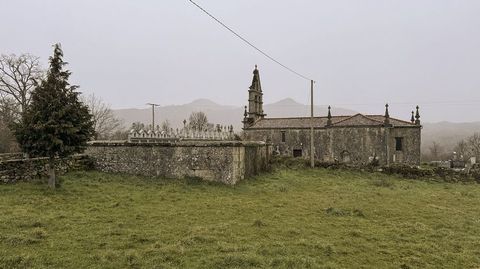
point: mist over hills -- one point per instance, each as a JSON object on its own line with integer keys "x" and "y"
{"x": 221, "y": 114}
{"x": 446, "y": 133}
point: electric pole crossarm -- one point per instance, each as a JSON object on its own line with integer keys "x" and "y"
{"x": 153, "y": 114}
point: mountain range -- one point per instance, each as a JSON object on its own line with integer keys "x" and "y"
{"x": 220, "y": 114}
{"x": 447, "y": 134}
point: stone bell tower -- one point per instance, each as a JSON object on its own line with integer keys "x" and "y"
{"x": 255, "y": 101}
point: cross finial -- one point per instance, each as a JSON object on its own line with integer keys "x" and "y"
{"x": 387, "y": 116}
{"x": 417, "y": 116}
{"x": 329, "y": 117}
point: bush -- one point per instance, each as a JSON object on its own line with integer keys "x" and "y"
{"x": 406, "y": 171}
{"x": 384, "y": 183}
{"x": 338, "y": 212}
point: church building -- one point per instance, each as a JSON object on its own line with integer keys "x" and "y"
{"x": 356, "y": 139}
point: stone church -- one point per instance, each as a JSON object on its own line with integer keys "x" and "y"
{"x": 356, "y": 139}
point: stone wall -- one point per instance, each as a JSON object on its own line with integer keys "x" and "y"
{"x": 13, "y": 170}
{"x": 356, "y": 145}
{"x": 10, "y": 156}
{"x": 221, "y": 161}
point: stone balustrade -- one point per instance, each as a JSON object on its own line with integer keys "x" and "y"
{"x": 150, "y": 136}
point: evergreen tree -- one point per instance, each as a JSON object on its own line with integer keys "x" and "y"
{"x": 56, "y": 123}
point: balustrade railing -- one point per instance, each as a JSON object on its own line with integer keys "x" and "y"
{"x": 151, "y": 136}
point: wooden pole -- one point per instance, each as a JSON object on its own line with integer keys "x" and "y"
{"x": 153, "y": 117}
{"x": 153, "y": 114}
{"x": 312, "y": 148}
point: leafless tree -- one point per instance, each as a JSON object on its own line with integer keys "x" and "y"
{"x": 18, "y": 77}
{"x": 165, "y": 127}
{"x": 474, "y": 144}
{"x": 436, "y": 150}
{"x": 9, "y": 113}
{"x": 462, "y": 149}
{"x": 198, "y": 121}
{"x": 105, "y": 122}
{"x": 137, "y": 126}
{"x": 9, "y": 110}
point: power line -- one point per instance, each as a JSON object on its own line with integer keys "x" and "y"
{"x": 248, "y": 42}
{"x": 457, "y": 103}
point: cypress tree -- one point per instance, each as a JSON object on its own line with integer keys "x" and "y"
{"x": 56, "y": 123}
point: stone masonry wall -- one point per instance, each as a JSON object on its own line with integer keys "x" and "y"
{"x": 356, "y": 145}
{"x": 13, "y": 170}
{"x": 222, "y": 161}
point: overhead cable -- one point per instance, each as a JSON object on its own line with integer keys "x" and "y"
{"x": 248, "y": 42}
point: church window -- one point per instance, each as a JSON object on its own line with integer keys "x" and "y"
{"x": 297, "y": 153}
{"x": 283, "y": 136}
{"x": 398, "y": 143}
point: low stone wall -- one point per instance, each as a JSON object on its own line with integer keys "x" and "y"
{"x": 221, "y": 161}
{"x": 13, "y": 170}
{"x": 10, "y": 156}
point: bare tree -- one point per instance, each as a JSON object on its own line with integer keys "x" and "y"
{"x": 9, "y": 114}
{"x": 7, "y": 139}
{"x": 462, "y": 149}
{"x": 198, "y": 121}
{"x": 436, "y": 151}
{"x": 165, "y": 127}
{"x": 18, "y": 77}
{"x": 9, "y": 110}
{"x": 105, "y": 122}
{"x": 474, "y": 145}
{"x": 137, "y": 126}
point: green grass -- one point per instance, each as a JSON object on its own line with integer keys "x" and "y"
{"x": 288, "y": 219}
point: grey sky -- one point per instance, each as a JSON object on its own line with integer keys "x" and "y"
{"x": 362, "y": 53}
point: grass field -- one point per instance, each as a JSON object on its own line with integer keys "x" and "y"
{"x": 287, "y": 219}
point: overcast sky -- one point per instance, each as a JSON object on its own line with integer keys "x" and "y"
{"x": 361, "y": 53}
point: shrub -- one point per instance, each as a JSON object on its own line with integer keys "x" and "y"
{"x": 384, "y": 183}
{"x": 338, "y": 212}
{"x": 259, "y": 223}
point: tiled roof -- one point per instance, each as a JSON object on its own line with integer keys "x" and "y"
{"x": 319, "y": 122}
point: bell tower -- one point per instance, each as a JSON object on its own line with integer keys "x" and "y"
{"x": 255, "y": 101}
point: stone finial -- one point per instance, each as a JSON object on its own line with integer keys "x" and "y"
{"x": 184, "y": 123}
{"x": 387, "y": 116}
{"x": 412, "y": 119}
{"x": 329, "y": 116}
{"x": 417, "y": 116}
{"x": 245, "y": 114}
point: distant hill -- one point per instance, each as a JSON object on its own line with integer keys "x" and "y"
{"x": 220, "y": 114}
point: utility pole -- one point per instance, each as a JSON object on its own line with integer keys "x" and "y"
{"x": 312, "y": 148}
{"x": 153, "y": 114}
